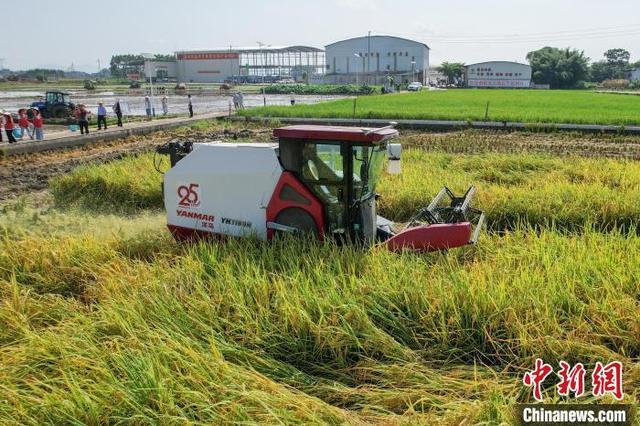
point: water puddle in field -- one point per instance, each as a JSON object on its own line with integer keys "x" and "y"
{"x": 177, "y": 104}
{"x": 17, "y": 94}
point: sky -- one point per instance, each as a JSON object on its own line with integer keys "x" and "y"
{"x": 57, "y": 34}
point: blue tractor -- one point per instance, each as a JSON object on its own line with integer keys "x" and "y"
{"x": 55, "y": 104}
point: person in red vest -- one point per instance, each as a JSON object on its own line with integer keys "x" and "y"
{"x": 83, "y": 118}
{"x": 25, "y": 125}
{"x": 8, "y": 126}
{"x": 38, "y": 124}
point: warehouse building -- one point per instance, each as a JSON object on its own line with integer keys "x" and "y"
{"x": 210, "y": 66}
{"x": 498, "y": 74}
{"x": 372, "y": 59}
{"x": 161, "y": 69}
{"x": 241, "y": 64}
{"x": 633, "y": 74}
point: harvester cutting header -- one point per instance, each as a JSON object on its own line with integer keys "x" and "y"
{"x": 317, "y": 179}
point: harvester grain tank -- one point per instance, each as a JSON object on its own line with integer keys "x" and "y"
{"x": 316, "y": 179}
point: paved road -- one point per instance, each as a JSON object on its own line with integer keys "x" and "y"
{"x": 66, "y": 138}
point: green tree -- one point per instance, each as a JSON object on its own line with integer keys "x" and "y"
{"x": 618, "y": 61}
{"x": 599, "y": 71}
{"x": 617, "y": 56}
{"x": 121, "y": 65}
{"x": 41, "y": 74}
{"x": 615, "y": 65}
{"x": 559, "y": 68}
{"x": 166, "y": 58}
{"x": 452, "y": 70}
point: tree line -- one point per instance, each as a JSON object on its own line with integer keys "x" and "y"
{"x": 123, "y": 65}
{"x": 564, "y": 68}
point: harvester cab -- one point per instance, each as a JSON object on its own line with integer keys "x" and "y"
{"x": 317, "y": 179}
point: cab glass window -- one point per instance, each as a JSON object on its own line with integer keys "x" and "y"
{"x": 368, "y": 163}
{"x": 322, "y": 169}
{"x": 322, "y": 163}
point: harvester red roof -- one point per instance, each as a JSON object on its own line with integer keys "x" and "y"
{"x": 335, "y": 133}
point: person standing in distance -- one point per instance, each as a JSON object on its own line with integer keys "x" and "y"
{"x": 25, "y": 125}
{"x": 147, "y": 107}
{"x": 102, "y": 116}
{"x": 38, "y": 124}
{"x": 190, "y": 106}
{"x": 165, "y": 105}
{"x": 117, "y": 110}
{"x": 8, "y": 126}
{"x": 83, "y": 119}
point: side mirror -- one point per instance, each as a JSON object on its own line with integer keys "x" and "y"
{"x": 394, "y": 151}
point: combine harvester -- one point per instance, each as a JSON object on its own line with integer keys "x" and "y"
{"x": 316, "y": 179}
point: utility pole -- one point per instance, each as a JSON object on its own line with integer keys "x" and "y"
{"x": 368, "y": 56}
{"x": 148, "y": 57}
{"x": 264, "y": 65}
{"x": 231, "y": 67}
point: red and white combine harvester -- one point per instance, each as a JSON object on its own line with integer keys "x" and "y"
{"x": 316, "y": 179}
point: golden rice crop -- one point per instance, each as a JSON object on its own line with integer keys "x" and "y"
{"x": 536, "y": 190}
{"x": 105, "y": 319}
{"x": 303, "y": 332}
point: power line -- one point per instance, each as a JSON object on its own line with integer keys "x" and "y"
{"x": 538, "y": 40}
{"x": 576, "y": 31}
{"x": 567, "y": 35}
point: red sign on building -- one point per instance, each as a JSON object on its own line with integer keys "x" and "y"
{"x": 206, "y": 56}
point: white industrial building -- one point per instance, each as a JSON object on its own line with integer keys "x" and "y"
{"x": 161, "y": 69}
{"x": 498, "y": 74}
{"x": 633, "y": 74}
{"x": 372, "y": 59}
{"x": 206, "y": 66}
{"x": 257, "y": 64}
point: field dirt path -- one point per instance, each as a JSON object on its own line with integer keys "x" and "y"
{"x": 31, "y": 173}
{"x": 556, "y": 143}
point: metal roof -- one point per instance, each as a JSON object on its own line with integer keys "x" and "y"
{"x": 235, "y": 49}
{"x": 335, "y": 133}
{"x": 379, "y": 36}
{"x": 499, "y": 62}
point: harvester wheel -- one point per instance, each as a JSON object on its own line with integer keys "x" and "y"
{"x": 299, "y": 219}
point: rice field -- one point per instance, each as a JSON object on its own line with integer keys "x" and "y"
{"x": 527, "y": 106}
{"x": 105, "y": 319}
{"x": 532, "y": 190}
